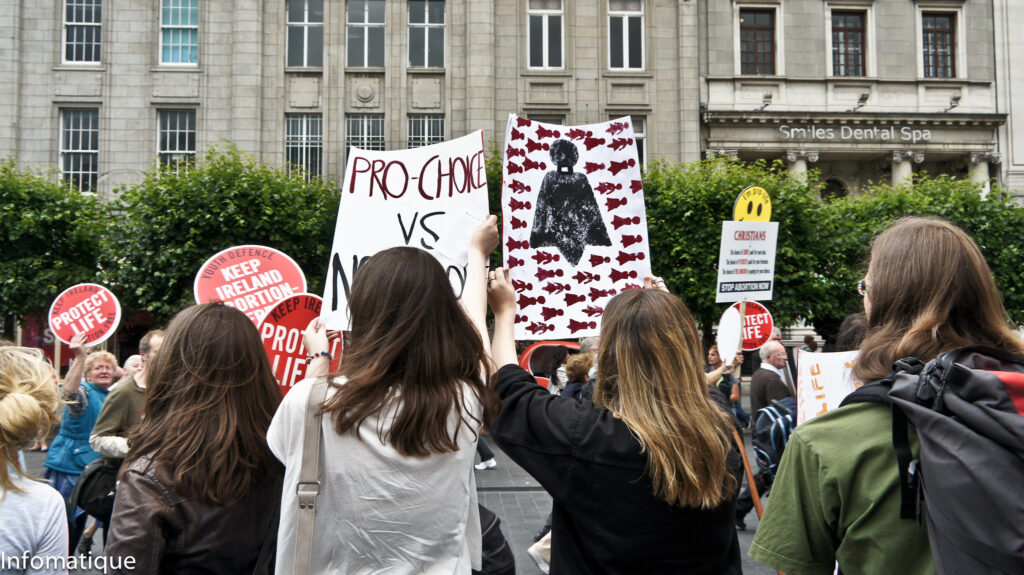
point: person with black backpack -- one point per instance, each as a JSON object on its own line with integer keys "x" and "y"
{"x": 840, "y": 495}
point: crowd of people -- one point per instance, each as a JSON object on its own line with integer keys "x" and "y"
{"x": 371, "y": 469}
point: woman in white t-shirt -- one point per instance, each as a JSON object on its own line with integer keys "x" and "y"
{"x": 33, "y": 526}
{"x": 400, "y": 426}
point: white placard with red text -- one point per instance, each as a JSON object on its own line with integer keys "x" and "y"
{"x": 575, "y": 226}
{"x": 746, "y": 261}
{"x": 824, "y": 380}
{"x": 89, "y": 308}
{"x": 250, "y": 278}
{"x": 281, "y": 331}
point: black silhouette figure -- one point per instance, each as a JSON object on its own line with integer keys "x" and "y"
{"x": 567, "y": 215}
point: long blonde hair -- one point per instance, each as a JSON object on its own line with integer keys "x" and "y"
{"x": 28, "y": 405}
{"x": 650, "y": 376}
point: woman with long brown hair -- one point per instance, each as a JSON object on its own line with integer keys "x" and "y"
{"x": 200, "y": 490}
{"x": 642, "y": 479}
{"x": 400, "y": 423}
{"x": 928, "y": 290}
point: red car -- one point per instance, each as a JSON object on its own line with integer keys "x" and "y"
{"x": 537, "y": 358}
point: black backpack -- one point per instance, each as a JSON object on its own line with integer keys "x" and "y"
{"x": 773, "y": 424}
{"x": 498, "y": 558}
{"x": 95, "y": 489}
{"x": 966, "y": 406}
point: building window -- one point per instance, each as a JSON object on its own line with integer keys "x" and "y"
{"x": 848, "y": 43}
{"x": 833, "y": 190}
{"x": 426, "y": 33}
{"x": 177, "y": 137}
{"x": 939, "y": 39}
{"x": 757, "y": 42}
{"x": 545, "y": 33}
{"x": 640, "y": 135}
{"x": 305, "y": 33}
{"x": 364, "y": 131}
{"x": 82, "y": 30}
{"x": 365, "y": 33}
{"x": 179, "y": 31}
{"x": 425, "y": 129}
{"x": 80, "y": 148}
{"x": 303, "y": 143}
{"x": 626, "y": 34}
{"x": 547, "y": 119}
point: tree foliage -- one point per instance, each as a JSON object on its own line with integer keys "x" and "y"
{"x": 176, "y": 219}
{"x": 51, "y": 238}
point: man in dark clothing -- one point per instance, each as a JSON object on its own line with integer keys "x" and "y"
{"x": 767, "y": 383}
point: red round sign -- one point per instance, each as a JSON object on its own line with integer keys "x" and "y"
{"x": 281, "y": 331}
{"x": 88, "y": 308}
{"x": 250, "y": 278}
{"x": 757, "y": 325}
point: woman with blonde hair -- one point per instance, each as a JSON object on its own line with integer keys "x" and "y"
{"x": 643, "y": 480}
{"x": 34, "y": 525}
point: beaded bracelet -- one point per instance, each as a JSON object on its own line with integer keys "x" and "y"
{"x": 324, "y": 353}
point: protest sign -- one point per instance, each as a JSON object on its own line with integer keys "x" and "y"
{"x": 746, "y": 261}
{"x": 88, "y": 308}
{"x": 752, "y": 205}
{"x": 250, "y": 278}
{"x": 824, "y": 380}
{"x": 575, "y": 227}
{"x": 729, "y": 335}
{"x": 757, "y": 325}
{"x": 281, "y": 331}
{"x": 405, "y": 198}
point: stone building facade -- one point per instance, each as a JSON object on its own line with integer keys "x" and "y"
{"x": 103, "y": 90}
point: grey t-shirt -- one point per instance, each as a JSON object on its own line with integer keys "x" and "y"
{"x": 32, "y": 521}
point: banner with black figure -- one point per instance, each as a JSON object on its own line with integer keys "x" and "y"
{"x": 574, "y": 223}
{"x": 420, "y": 198}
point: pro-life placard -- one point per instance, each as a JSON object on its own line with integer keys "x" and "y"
{"x": 746, "y": 261}
{"x": 89, "y": 308}
{"x": 250, "y": 278}
{"x": 281, "y": 331}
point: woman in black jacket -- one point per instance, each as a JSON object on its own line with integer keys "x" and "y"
{"x": 643, "y": 479}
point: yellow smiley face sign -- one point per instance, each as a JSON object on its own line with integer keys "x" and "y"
{"x": 753, "y": 205}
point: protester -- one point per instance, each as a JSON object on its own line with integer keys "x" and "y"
{"x": 928, "y": 290}
{"x": 718, "y": 374}
{"x": 767, "y": 383}
{"x": 643, "y": 479}
{"x": 487, "y": 460}
{"x": 851, "y": 332}
{"x": 577, "y": 370}
{"x": 34, "y": 524}
{"x": 810, "y": 344}
{"x": 400, "y": 423}
{"x": 70, "y": 452}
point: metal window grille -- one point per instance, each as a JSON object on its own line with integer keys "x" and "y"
{"x": 179, "y": 31}
{"x": 304, "y": 143}
{"x": 364, "y": 131}
{"x": 848, "y": 43}
{"x": 426, "y": 33}
{"x": 544, "y": 28}
{"x": 939, "y": 36}
{"x": 757, "y": 42}
{"x": 305, "y": 33}
{"x": 626, "y": 34}
{"x": 79, "y": 148}
{"x": 365, "y": 28}
{"x": 425, "y": 129}
{"x": 177, "y": 137}
{"x": 82, "y": 27}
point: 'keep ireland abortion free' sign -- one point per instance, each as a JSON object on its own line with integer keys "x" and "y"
{"x": 421, "y": 198}
{"x": 250, "y": 278}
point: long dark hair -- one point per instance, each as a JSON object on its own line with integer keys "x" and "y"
{"x": 411, "y": 341}
{"x": 210, "y": 398}
{"x": 931, "y": 291}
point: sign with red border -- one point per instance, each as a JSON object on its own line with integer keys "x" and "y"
{"x": 757, "y": 325}
{"x": 250, "y": 278}
{"x": 281, "y": 331}
{"x": 89, "y": 308}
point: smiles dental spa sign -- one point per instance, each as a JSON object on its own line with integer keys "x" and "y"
{"x": 851, "y": 134}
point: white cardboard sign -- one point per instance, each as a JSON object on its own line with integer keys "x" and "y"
{"x": 824, "y": 380}
{"x": 574, "y": 223}
{"x": 415, "y": 198}
{"x": 746, "y": 261}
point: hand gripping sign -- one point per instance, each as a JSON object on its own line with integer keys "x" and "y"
{"x": 250, "y": 278}
{"x": 281, "y": 331}
{"x": 88, "y": 308}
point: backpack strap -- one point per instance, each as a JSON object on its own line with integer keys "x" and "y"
{"x": 308, "y": 486}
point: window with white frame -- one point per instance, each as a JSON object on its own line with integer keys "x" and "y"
{"x": 80, "y": 147}
{"x": 305, "y": 33}
{"x": 365, "y": 27}
{"x": 757, "y": 41}
{"x": 640, "y": 135}
{"x": 425, "y": 129}
{"x": 426, "y": 33}
{"x": 849, "y": 42}
{"x": 303, "y": 143}
{"x": 626, "y": 34}
{"x": 938, "y": 37}
{"x": 179, "y": 31}
{"x": 176, "y": 137}
{"x": 544, "y": 28}
{"x": 364, "y": 131}
{"x": 82, "y": 27}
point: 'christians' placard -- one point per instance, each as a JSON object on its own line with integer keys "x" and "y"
{"x": 574, "y": 227}
{"x": 413, "y": 198}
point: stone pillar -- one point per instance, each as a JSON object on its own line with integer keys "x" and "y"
{"x": 978, "y": 169}
{"x": 798, "y": 160}
{"x": 902, "y": 170}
